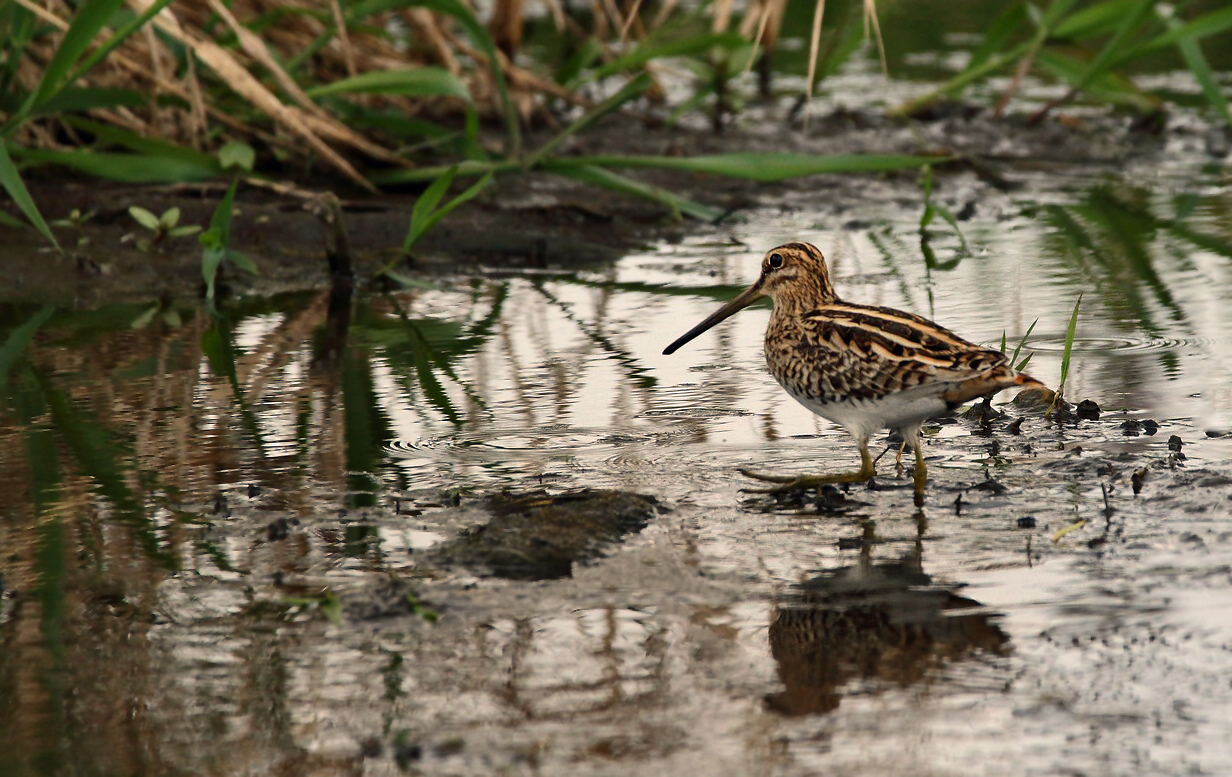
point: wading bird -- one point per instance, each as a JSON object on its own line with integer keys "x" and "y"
{"x": 863, "y": 367}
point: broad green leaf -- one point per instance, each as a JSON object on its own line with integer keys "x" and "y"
{"x": 409, "y": 82}
{"x": 170, "y": 218}
{"x": 237, "y": 155}
{"x": 144, "y": 217}
{"x": 16, "y": 188}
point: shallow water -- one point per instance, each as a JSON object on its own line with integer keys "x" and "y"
{"x": 153, "y": 598}
{"x": 212, "y": 526}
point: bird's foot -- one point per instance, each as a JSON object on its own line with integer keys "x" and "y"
{"x": 789, "y": 483}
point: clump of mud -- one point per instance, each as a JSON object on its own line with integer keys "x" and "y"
{"x": 537, "y": 536}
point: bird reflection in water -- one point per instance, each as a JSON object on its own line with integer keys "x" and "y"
{"x": 886, "y": 623}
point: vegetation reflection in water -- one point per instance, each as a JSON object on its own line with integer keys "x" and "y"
{"x": 129, "y": 434}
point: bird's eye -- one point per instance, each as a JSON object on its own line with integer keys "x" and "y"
{"x": 776, "y": 261}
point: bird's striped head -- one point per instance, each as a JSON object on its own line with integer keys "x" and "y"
{"x": 795, "y": 275}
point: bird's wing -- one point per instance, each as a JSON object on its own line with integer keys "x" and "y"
{"x": 869, "y": 352}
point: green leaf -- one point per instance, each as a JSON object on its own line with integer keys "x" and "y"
{"x": 184, "y": 231}
{"x": 144, "y": 217}
{"x": 409, "y": 82}
{"x": 421, "y": 221}
{"x": 16, "y": 188}
{"x": 425, "y": 204}
{"x": 1021, "y": 343}
{"x": 170, "y": 218}
{"x": 242, "y": 262}
{"x": 237, "y": 155}
{"x": 215, "y": 239}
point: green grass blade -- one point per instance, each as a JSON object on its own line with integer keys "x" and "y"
{"x": 1132, "y": 15}
{"x": 998, "y": 35}
{"x": 478, "y": 34}
{"x": 151, "y": 147}
{"x": 125, "y": 168}
{"x": 597, "y": 176}
{"x": 425, "y": 204}
{"x": 1097, "y": 19}
{"x": 90, "y": 18}
{"x": 1069, "y": 342}
{"x": 1109, "y": 86}
{"x": 1021, "y": 343}
{"x": 448, "y": 208}
{"x": 407, "y": 82}
{"x": 1204, "y": 26}
{"x": 629, "y": 91}
{"x": 72, "y": 100}
{"x": 215, "y": 239}
{"x": 759, "y": 166}
{"x": 1202, "y": 72}
{"x": 11, "y": 180}
{"x": 120, "y": 35}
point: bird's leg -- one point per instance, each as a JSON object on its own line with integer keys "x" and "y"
{"x": 796, "y": 483}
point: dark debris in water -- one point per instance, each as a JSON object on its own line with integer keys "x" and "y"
{"x": 539, "y": 536}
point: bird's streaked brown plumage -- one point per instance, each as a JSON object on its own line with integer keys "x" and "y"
{"x": 863, "y": 367}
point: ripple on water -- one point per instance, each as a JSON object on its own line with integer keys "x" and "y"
{"x": 1120, "y": 344}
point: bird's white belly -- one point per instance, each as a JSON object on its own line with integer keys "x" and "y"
{"x": 864, "y": 417}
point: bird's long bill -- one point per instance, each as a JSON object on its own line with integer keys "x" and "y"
{"x": 746, "y": 298}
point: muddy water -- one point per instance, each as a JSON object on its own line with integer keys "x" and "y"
{"x": 222, "y": 537}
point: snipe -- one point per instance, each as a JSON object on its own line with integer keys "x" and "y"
{"x": 863, "y": 367}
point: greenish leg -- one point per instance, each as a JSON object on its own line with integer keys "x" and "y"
{"x": 798, "y": 482}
